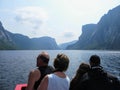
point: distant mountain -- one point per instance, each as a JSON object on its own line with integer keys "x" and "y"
{"x": 65, "y": 45}
{"x": 5, "y": 40}
{"x": 9, "y": 40}
{"x": 44, "y": 43}
{"x": 105, "y": 35}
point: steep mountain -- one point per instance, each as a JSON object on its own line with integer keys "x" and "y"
{"x": 5, "y": 40}
{"x": 104, "y": 35}
{"x": 10, "y": 40}
{"x": 85, "y": 38}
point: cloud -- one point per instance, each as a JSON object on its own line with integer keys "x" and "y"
{"x": 68, "y": 34}
{"x": 32, "y": 16}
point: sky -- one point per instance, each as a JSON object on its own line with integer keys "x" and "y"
{"x": 59, "y": 19}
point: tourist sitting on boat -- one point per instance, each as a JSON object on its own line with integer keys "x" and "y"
{"x": 57, "y": 80}
{"x": 82, "y": 70}
{"x": 35, "y": 76}
{"x": 97, "y": 78}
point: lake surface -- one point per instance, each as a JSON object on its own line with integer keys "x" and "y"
{"x": 16, "y": 65}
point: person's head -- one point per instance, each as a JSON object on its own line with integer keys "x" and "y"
{"x": 61, "y": 62}
{"x": 94, "y": 60}
{"x": 83, "y": 68}
{"x": 43, "y": 59}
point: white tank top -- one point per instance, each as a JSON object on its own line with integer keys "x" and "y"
{"x": 57, "y": 83}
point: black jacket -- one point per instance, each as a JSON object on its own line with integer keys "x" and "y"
{"x": 98, "y": 79}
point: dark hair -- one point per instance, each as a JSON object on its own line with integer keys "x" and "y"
{"x": 43, "y": 58}
{"x": 83, "y": 68}
{"x": 95, "y": 60}
{"x": 61, "y": 62}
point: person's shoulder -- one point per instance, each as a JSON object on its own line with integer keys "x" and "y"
{"x": 52, "y": 75}
{"x": 34, "y": 72}
{"x": 46, "y": 77}
{"x": 44, "y": 83}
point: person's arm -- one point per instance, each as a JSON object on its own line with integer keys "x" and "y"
{"x": 44, "y": 84}
{"x": 33, "y": 77}
{"x": 31, "y": 81}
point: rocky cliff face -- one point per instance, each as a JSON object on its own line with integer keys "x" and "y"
{"x": 3, "y": 34}
{"x": 5, "y": 40}
{"x": 9, "y": 40}
{"x": 103, "y": 35}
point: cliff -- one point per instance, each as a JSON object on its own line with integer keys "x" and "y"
{"x": 5, "y": 40}
{"x": 10, "y": 40}
{"x": 105, "y": 35}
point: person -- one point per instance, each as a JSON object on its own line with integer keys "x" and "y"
{"x": 35, "y": 76}
{"x": 57, "y": 80}
{"x": 97, "y": 78}
{"x": 82, "y": 70}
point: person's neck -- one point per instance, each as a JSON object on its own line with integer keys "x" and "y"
{"x": 60, "y": 74}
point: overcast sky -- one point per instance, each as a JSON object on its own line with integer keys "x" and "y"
{"x": 59, "y": 19}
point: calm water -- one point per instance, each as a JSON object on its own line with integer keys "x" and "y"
{"x": 15, "y": 65}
